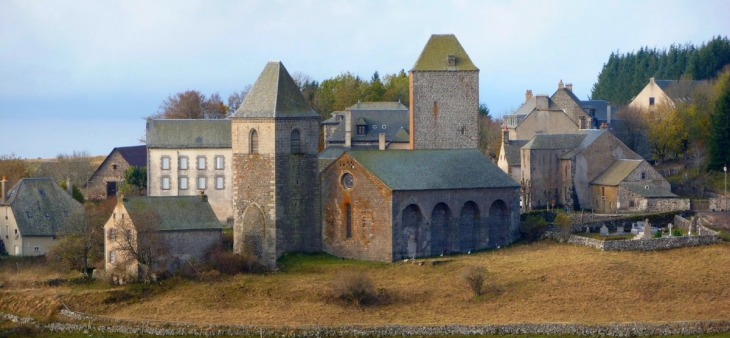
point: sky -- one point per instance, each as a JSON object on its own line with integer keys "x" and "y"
{"x": 83, "y": 75}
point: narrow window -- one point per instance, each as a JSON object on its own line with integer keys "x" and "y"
{"x": 201, "y": 162}
{"x": 183, "y": 163}
{"x": 651, "y": 101}
{"x": 165, "y": 163}
{"x": 165, "y": 183}
{"x": 254, "y": 146}
{"x": 114, "y": 167}
{"x": 112, "y": 256}
{"x": 219, "y": 182}
{"x": 603, "y": 191}
{"x": 348, "y": 224}
{"x": 643, "y": 175}
{"x": 219, "y": 163}
{"x": 112, "y": 234}
{"x": 183, "y": 185}
{"x": 37, "y": 249}
{"x": 201, "y": 183}
{"x": 296, "y": 145}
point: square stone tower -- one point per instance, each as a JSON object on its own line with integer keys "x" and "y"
{"x": 444, "y": 89}
{"x": 274, "y": 141}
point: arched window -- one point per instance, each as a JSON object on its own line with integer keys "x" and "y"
{"x": 254, "y": 146}
{"x": 296, "y": 142}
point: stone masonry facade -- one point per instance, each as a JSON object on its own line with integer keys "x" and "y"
{"x": 444, "y": 109}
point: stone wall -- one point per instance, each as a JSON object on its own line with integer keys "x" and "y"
{"x": 652, "y": 244}
{"x": 111, "y": 170}
{"x": 719, "y": 204}
{"x": 666, "y": 204}
{"x": 630, "y": 329}
{"x": 444, "y": 109}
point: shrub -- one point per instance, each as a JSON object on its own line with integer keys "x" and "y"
{"x": 676, "y": 233}
{"x": 548, "y": 216}
{"x": 226, "y": 262}
{"x": 475, "y": 277}
{"x": 563, "y": 223}
{"x": 658, "y": 233}
{"x": 354, "y": 287}
{"x": 533, "y": 228}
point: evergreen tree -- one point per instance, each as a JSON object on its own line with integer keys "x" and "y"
{"x": 719, "y": 143}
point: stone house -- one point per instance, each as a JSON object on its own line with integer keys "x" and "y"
{"x": 186, "y": 157}
{"x": 663, "y": 92}
{"x": 388, "y": 205}
{"x": 363, "y": 124}
{"x": 633, "y": 186}
{"x": 180, "y": 228}
{"x": 107, "y": 179}
{"x": 33, "y": 213}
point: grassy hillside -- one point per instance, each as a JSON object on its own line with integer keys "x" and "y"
{"x": 543, "y": 282}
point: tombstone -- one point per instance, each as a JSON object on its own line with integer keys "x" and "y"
{"x": 692, "y": 226}
{"x": 647, "y": 229}
{"x": 588, "y": 230}
{"x": 620, "y": 230}
{"x": 604, "y": 230}
{"x": 670, "y": 230}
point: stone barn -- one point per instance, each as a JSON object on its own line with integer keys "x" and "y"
{"x": 388, "y": 205}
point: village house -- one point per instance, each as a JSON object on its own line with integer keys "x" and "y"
{"x": 34, "y": 212}
{"x": 186, "y": 157}
{"x": 663, "y": 92}
{"x": 172, "y": 229}
{"x": 108, "y": 177}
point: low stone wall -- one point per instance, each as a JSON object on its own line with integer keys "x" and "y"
{"x": 719, "y": 203}
{"x": 609, "y": 329}
{"x": 651, "y": 244}
{"x": 666, "y": 204}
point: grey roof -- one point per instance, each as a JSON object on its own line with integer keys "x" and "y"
{"x": 647, "y": 189}
{"x": 526, "y": 109}
{"x": 433, "y": 169}
{"x": 435, "y": 53}
{"x": 189, "y": 133}
{"x": 393, "y": 120}
{"x": 599, "y": 109}
{"x": 175, "y": 212}
{"x": 555, "y": 141}
{"x": 378, "y": 106}
{"x": 134, "y": 155}
{"x": 334, "y": 118}
{"x": 40, "y": 206}
{"x": 616, "y": 172}
{"x": 591, "y": 136}
{"x": 512, "y": 151}
{"x": 275, "y": 95}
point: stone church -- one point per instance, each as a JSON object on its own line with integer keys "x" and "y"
{"x": 427, "y": 191}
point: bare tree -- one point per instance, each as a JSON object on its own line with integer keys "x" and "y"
{"x": 630, "y": 127}
{"x": 475, "y": 277}
{"x": 142, "y": 243}
{"x": 13, "y": 168}
{"x": 76, "y": 166}
{"x": 214, "y": 108}
{"x": 236, "y": 99}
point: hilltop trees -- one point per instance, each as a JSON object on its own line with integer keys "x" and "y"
{"x": 719, "y": 140}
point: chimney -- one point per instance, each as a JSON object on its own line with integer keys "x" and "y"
{"x": 505, "y": 135}
{"x": 560, "y": 84}
{"x": 604, "y": 126}
{"x": 542, "y": 102}
{"x": 569, "y": 86}
{"x": 5, "y": 190}
{"x": 348, "y": 129}
{"x": 651, "y": 81}
{"x": 528, "y": 95}
{"x": 381, "y": 141}
{"x": 203, "y": 196}
{"x": 69, "y": 186}
{"x": 608, "y": 113}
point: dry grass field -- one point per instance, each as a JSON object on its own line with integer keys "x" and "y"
{"x": 542, "y": 282}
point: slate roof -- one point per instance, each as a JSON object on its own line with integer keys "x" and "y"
{"x": 616, "y": 172}
{"x": 526, "y": 109}
{"x": 189, "y": 133}
{"x": 434, "y": 56}
{"x": 378, "y": 106}
{"x": 647, "y": 189}
{"x": 176, "y": 212}
{"x": 134, "y": 155}
{"x": 275, "y": 95}
{"x": 45, "y": 201}
{"x": 600, "y": 109}
{"x": 512, "y": 151}
{"x": 591, "y": 136}
{"x": 555, "y": 141}
{"x": 433, "y": 169}
{"x": 393, "y": 120}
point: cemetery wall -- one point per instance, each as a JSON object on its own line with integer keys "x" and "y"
{"x": 651, "y": 244}
{"x": 719, "y": 204}
{"x": 158, "y": 328}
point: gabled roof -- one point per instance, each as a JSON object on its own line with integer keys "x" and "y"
{"x": 401, "y": 136}
{"x": 616, "y": 172}
{"x": 591, "y": 136}
{"x": 433, "y": 169}
{"x": 336, "y": 118}
{"x": 647, "y": 189}
{"x": 434, "y": 56}
{"x": 600, "y": 109}
{"x": 554, "y": 141}
{"x": 275, "y": 95}
{"x": 175, "y": 212}
{"x": 374, "y": 120}
{"x": 189, "y": 133}
{"x": 134, "y": 155}
{"x": 378, "y": 106}
{"x": 512, "y": 151}
{"x": 40, "y": 206}
{"x": 569, "y": 93}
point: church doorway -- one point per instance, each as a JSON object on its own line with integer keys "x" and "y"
{"x": 498, "y": 223}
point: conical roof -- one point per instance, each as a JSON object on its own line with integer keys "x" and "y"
{"x": 275, "y": 94}
{"x": 436, "y": 53}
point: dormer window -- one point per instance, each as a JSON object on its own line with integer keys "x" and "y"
{"x": 452, "y": 60}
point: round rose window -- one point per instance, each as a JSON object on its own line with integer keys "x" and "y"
{"x": 347, "y": 180}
